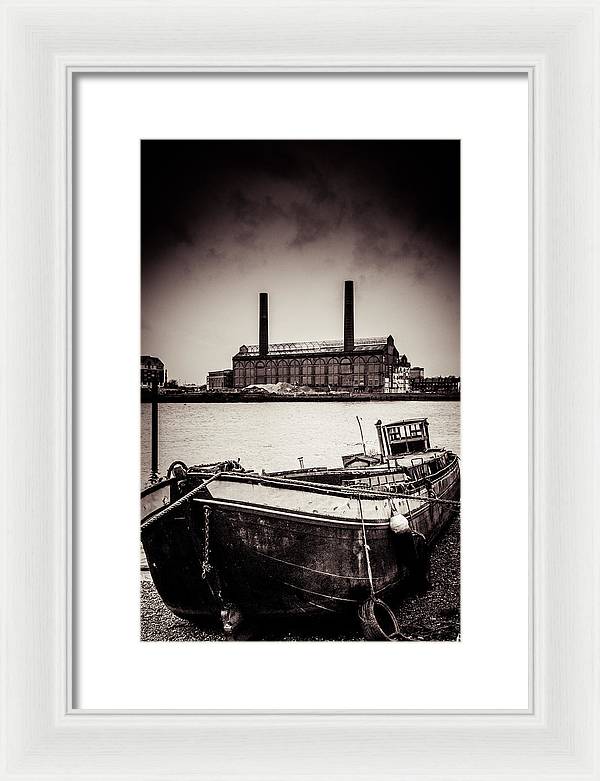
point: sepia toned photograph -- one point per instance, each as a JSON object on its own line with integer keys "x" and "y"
{"x": 300, "y": 390}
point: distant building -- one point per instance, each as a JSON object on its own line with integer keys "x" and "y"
{"x": 399, "y": 382}
{"x": 151, "y": 369}
{"x": 366, "y": 364}
{"x": 442, "y": 385}
{"x": 416, "y": 373}
{"x": 220, "y": 379}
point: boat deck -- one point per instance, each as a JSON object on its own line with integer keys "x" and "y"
{"x": 409, "y": 459}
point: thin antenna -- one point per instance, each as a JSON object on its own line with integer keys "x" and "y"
{"x": 362, "y": 439}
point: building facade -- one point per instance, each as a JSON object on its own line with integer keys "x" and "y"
{"x": 442, "y": 385}
{"x": 151, "y": 369}
{"x": 400, "y": 379}
{"x": 220, "y": 379}
{"x": 371, "y": 364}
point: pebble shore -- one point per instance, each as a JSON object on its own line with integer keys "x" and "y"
{"x": 433, "y": 615}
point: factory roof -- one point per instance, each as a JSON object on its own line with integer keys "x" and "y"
{"x": 151, "y": 359}
{"x": 364, "y": 345}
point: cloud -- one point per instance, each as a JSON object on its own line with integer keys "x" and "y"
{"x": 310, "y": 225}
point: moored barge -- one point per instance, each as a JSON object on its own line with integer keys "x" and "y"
{"x": 230, "y": 543}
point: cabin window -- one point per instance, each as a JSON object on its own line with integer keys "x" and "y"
{"x": 407, "y": 438}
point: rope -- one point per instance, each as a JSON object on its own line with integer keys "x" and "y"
{"x": 179, "y": 503}
{"x": 451, "y": 502}
{"x": 367, "y": 556}
{"x": 385, "y": 490}
{"x": 390, "y": 495}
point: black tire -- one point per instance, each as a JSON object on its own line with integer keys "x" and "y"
{"x": 377, "y": 620}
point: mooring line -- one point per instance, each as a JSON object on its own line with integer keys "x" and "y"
{"x": 179, "y": 503}
{"x": 367, "y": 556}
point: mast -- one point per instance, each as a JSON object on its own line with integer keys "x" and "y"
{"x": 362, "y": 439}
{"x": 382, "y": 448}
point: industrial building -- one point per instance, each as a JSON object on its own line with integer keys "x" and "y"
{"x": 363, "y": 364}
{"x": 443, "y": 386}
{"x": 219, "y": 379}
{"x": 152, "y": 369}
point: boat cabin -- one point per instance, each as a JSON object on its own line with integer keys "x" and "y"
{"x": 405, "y": 436}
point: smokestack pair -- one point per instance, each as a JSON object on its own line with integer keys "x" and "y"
{"x": 263, "y": 320}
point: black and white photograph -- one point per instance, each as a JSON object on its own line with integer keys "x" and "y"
{"x": 300, "y": 390}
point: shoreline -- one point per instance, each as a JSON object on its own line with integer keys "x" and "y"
{"x": 236, "y": 397}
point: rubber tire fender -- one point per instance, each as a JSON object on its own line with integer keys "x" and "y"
{"x": 377, "y": 620}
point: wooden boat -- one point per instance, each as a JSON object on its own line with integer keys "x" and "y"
{"x": 302, "y": 542}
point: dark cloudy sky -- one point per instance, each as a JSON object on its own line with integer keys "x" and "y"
{"x": 224, "y": 220}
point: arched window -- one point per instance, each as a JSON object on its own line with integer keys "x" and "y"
{"x": 269, "y": 371}
{"x": 284, "y": 371}
{"x": 276, "y": 371}
{"x": 294, "y": 372}
{"x": 374, "y": 372}
{"x": 260, "y": 373}
{"x": 307, "y": 372}
{"x": 333, "y": 375}
{"x": 345, "y": 372}
{"x": 238, "y": 376}
{"x": 320, "y": 372}
{"x": 359, "y": 373}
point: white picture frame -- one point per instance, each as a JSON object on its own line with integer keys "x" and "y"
{"x": 45, "y": 45}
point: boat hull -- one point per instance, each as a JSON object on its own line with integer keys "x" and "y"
{"x": 285, "y": 565}
{"x": 285, "y": 548}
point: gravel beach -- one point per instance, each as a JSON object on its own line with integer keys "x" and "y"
{"x": 432, "y": 615}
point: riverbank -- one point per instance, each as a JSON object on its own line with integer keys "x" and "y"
{"x": 433, "y": 615}
{"x": 240, "y": 397}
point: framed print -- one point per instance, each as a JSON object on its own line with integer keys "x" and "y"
{"x": 299, "y": 209}
{"x": 420, "y": 288}
{"x": 288, "y": 273}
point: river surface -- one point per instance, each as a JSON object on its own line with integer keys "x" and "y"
{"x": 273, "y": 436}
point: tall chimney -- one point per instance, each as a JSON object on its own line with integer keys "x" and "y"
{"x": 348, "y": 316}
{"x": 263, "y": 325}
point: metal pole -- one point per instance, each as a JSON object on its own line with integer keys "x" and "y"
{"x": 362, "y": 439}
{"x": 381, "y": 441}
{"x": 155, "y": 426}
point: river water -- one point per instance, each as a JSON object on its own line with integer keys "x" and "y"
{"x": 272, "y": 436}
